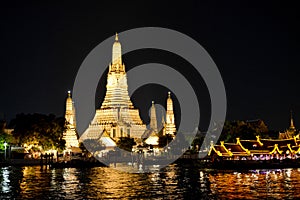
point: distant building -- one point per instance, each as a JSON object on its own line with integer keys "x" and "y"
{"x": 151, "y": 135}
{"x": 259, "y": 149}
{"x": 290, "y": 132}
{"x": 286, "y": 146}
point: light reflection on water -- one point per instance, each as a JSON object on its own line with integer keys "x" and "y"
{"x": 173, "y": 182}
{"x": 273, "y": 184}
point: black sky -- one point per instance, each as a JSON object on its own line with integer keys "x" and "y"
{"x": 255, "y": 46}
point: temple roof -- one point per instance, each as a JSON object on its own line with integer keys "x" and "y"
{"x": 251, "y": 144}
{"x": 106, "y": 140}
{"x": 283, "y": 142}
{"x": 234, "y": 148}
{"x": 252, "y": 147}
{"x": 152, "y": 139}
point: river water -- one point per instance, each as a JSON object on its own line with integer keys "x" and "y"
{"x": 173, "y": 182}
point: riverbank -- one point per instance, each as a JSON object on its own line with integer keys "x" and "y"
{"x": 23, "y": 162}
{"x": 197, "y": 163}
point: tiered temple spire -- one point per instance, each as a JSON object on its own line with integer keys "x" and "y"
{"x": 70, "y": 135}
{"x": 117, "y": 114}
{"x": 153, "y": 119}
{"x": 116, "y": 51}
{"x": 170, "y": 119}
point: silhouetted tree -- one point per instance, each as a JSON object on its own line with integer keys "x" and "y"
{"x": 246, "y": 130}
{"x": 126, "y": 143}
{"x": 4, "y": 137}
{"x": 164, "y": 140}
{"x": 197, "y": 142}
{"x": 44, "y": 130}
{"x": 92, "y": 145}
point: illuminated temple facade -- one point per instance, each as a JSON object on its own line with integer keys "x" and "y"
{"x": 117, "y": 115}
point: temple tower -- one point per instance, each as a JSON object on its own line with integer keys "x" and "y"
{"x": 70, "y": 135}
{"x": 170, "y": 119}
{"x": 153, "y": 119}
{"x": 70, "y": 110}
{"x": 292, "y": 126}
{"x": 117, "y": 115}
{"x": 290, "y": 132}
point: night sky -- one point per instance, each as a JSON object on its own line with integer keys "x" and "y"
{"x": 255, "y": 46}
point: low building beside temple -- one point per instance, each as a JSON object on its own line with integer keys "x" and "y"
{"x": 286, "y": 146}
{"x": 259, "y": 149}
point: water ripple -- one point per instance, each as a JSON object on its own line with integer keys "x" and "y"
{"x": 172, "y": 182}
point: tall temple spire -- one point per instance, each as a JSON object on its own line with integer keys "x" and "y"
{"x": 169, "y": 102}
{"x": 116, "y": 37}
{"x": 70, "y": 135}
{"x": 117, "y": 88}
{"x": 117, "y": 115}
{"x": 170, "y": 119}
{"x": 117, "y": 52}
{"x": 153, "y": 119}
{"x": 70, "y": 110}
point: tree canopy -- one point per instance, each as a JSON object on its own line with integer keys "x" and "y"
{"x": 246, "y": 130}
{"x": 39, "y": 129}
{"x": 91, "y": 145}
{"x": 4, "y": 137}
{"x": 126, "y": 143}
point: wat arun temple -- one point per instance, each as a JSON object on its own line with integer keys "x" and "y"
{"x": 117, "y": 117}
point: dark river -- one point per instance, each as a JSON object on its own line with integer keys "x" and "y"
{"x": 173, "y": 182}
